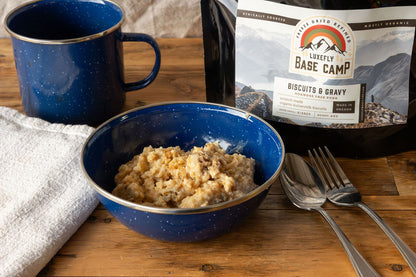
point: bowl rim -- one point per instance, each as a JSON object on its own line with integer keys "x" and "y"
{"x": 182, "y": 211}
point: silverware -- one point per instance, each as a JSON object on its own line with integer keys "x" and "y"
{"x": 341, "y": 191}
{"x": 305, "y": 189}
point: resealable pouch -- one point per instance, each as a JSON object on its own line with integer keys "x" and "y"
{"x": 334, "y": 73}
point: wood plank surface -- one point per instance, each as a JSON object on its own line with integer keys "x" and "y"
{"x": 277, "y": 240}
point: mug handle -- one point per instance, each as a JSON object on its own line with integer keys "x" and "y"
{"x": 152, "y": 75}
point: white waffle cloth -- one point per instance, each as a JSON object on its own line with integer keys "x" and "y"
{"x": 44, "y": 196}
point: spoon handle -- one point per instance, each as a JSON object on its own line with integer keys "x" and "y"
{"x": 405, "y": 250}
{"x": 361, "y": 266}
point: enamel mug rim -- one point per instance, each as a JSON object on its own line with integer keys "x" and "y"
{"x": 16, "y": 10}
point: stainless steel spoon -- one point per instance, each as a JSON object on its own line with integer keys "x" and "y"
{"x": 305, "y": 189}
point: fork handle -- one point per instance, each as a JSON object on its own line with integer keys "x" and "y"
{"x": 405, "y": 250}
{"x": 361, "y": 266}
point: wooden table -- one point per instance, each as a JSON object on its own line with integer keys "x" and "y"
{"x": 277, "y": 240}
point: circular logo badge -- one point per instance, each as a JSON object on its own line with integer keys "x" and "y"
{"x": 323, "y": 46}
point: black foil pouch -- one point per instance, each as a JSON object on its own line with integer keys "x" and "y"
{"x": 318, "y": 80}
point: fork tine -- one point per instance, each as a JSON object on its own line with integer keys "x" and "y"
{"x": 315, "y": 165}
{"x": 322, "y": 170}
{"x": 338, "y": 168}
{"x": 331, "y": 169}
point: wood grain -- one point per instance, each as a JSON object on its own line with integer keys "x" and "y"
{"x": 403, "y": 167}
{"x": 277, "y": 240}
{"x": 9, "y": 86}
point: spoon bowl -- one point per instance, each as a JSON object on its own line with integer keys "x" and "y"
{"x": 305, "y": 189}
{"x": 301, "y": 183}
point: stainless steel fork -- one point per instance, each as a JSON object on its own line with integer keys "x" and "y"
{"x": 341, "y": 191}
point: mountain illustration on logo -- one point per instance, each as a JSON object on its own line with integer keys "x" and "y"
{"x": 329, "y": 39}
{"x": 322, "y": 46}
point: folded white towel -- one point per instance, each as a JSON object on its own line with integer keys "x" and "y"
{"x": 44, "y": 197}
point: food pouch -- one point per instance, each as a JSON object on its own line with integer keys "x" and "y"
{"x": 334, "y": 73}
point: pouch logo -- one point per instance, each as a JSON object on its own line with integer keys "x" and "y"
{"x": 323, "y": 46}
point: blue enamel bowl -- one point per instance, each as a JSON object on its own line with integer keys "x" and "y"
{"x": 184, "y": 124}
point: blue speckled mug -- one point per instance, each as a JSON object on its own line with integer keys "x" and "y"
{"x": 69, "y": 59}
